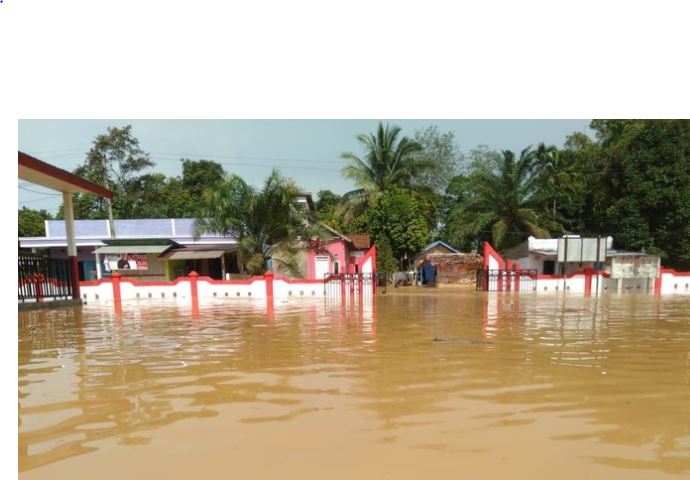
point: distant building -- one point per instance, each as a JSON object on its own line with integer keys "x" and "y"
{"x": 573, "y": 254}
{"x": 541, "y": 254}
{"x": 337, "y": 253}
{"x": 458, "y": 269}
{"x": 165, "y": 248}
{"x": 440, "y": 264}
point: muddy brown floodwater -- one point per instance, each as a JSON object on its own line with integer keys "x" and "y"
{"x": 521, "y": 386}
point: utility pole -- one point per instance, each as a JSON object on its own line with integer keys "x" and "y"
{"x": 111, "y": 222}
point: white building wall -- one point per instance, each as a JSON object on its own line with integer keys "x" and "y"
{"x": 675, "y": 284}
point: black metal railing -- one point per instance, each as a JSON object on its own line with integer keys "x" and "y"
{"x": 506, "y": 280}
{"x": 42, "y": 278}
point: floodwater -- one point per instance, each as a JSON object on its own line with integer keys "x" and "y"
{"x": 526, "y": 386}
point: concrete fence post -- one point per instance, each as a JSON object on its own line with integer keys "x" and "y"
{"x": 657, "y": 284}
{"x": 588, "y": 281}
{"x": 194, "y": 288}
{"x": 117, "y": 293}
{"x": 268, "y": 280}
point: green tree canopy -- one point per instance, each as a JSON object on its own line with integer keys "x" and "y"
{"x": 396, "y": 217}
{"x": 326, "y": 208}
{"x": 442, "y": 151}
{"x": 388, "y": 162}
{"x": 32, "y": 222}
{"x": 642, "y": 193}
{"x": 498, "y": 202}
{"x": 115, "y": 161}
{"x": 268, "y": 223}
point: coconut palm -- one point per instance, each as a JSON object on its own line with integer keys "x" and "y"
{"x": 387, "y": 162}
{"x": 555, "y": 178}
{"x": 268, "y": 223}
{"x": 500, "y": 200}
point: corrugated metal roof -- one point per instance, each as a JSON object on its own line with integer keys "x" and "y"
{"x": 184, "y": 254}
{"x": 132, "y": 249}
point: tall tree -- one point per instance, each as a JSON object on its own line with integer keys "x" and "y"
{"x": 554, "y": 177}
{"x": 184, "y": 194}
{"x": 268, "y": 223}
{"x": 439, "y": 149}
{"x": 326, "y": 205}
{"x": 396, "y": 217}
{"x": 388, "y": 161}
{"x": 116, "y": 161}
{"x": 643, "y": 193}
{"x": 499, "y": 202}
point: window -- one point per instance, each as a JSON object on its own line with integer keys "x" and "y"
{"x": 336, "y": 267}
{"x": 549, "y": 267}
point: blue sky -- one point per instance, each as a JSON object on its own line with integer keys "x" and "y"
{"x": 306, "y": 150}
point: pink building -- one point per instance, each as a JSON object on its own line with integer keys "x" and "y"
{"x": 336, "y": 254}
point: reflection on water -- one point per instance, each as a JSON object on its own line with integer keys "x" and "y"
{"x": 604, "y": 382}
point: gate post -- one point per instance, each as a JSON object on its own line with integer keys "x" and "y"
{"x": 117, "y": 294}
{"x": 509, "y": 275}
{"x": 268, "y": 279}
{"x": 588, "y": 281}
{"x": 657, "y": 284}
{"x": 193, "y": 279}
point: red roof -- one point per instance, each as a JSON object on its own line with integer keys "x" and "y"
{"x": 361, "y": 241}
{"x": 41, "y": 173}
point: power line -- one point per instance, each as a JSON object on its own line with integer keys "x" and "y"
{"x": 37, "y": 191}
{"x": 36, "y": 200}
{"x": 241, "y": 164}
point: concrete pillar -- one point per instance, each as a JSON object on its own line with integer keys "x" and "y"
{"x": 588, "y": 281}
{"x": 657, "y": 285}
{"x": 509, "y": 277}
{"x": 268, "y": 279}
{"x": 194, "y": 293}
{"x": 71, "y": 243}
{"x": 99, "y": 267}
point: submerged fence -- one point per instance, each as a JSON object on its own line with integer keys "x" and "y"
{"x": 42, "y": 278}
{"x": 350, "y": 285}
{"x": 506, "y": 280}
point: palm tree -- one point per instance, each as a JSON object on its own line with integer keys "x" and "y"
{"x": 500, "y": 200}
{"x": 388, "y": 162}
{"x": 555, "y": 178}
{"x": 268, "y": 224}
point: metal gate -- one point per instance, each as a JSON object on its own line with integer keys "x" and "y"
{"x": 349, "y": 285}
{"x": 506, "y": 280}
{"x": 41, "y": 278}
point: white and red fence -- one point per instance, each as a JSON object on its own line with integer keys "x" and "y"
{"x": 504, "y": 275}
{"x": 119, "y": 288}
{"x": 670, "y": 281}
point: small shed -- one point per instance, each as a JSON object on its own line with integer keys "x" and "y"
{"x": 426, "y": 273}
{"x": 455, "y": 268}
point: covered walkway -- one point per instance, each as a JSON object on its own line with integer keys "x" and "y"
{"x": 40, "y": 173}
